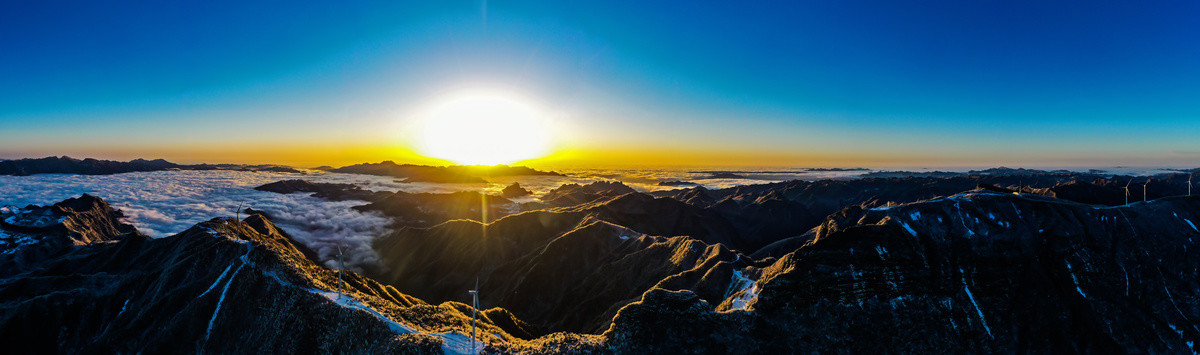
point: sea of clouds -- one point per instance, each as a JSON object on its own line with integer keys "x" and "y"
{"x": 163, "y": 203}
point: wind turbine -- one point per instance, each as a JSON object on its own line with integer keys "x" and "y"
{"x": 474, "y": 307}
{"x": 1127, "y": 191}
{"x": 1144, "y": 189}
{"x": 1190, "y": 184}
{"x": 341, "y": 265}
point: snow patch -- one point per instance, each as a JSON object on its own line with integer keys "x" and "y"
{"x": 1075, "y": 280}
{"x": 976, "y": 304}
{"x": 747, "y": 287}
{"x": 13, "y": 241}
{"x": 907, "y": 228}
{"x": 221, "y": 301}
{"x": 218, "y": 281}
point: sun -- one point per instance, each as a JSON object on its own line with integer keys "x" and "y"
{"x": 485, "y": 128}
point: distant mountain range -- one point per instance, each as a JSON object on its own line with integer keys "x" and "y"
{"x": 440, "y": 174}
{"x": 89, "y": 166}
{"x": 409, "y": 172}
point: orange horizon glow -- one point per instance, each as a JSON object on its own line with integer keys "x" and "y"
{"x": 338, "y": 154}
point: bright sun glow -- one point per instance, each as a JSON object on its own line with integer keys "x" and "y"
{"x": 485, "y": 128}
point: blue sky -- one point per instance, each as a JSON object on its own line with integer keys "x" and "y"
{"x": 856, "y": 82}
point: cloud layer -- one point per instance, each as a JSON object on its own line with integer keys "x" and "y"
{"x": 164, "y": 203}
{"x": 167, "y": 202}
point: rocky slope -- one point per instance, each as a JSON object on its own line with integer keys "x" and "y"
{"x": 34, "y": 233}
{"x": 558, "y": 270}
{"x": 974, "y": 272}
{"x": 222, "y": 286}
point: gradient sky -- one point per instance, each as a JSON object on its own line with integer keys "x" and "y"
{"x": 820, "y": 83}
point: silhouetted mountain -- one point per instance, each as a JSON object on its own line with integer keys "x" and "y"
{"x": 904, "y": 174}
{"x": 676, "y": 183}
{"x": 328, "y": 191}
{"x": 573, "y": 194}
{"x": 1017, "y": 171}
{"x": 243, "y": 167}
{"x": 89, "y": 166}
{"x": 514, "y": 191}
{"x": 725, "y": 175}
{"x": 440, "y": 174}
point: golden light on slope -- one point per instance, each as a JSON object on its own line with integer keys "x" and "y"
{"x": 484, "y": 128}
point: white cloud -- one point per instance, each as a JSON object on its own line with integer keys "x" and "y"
{"x": 164, "y": 203}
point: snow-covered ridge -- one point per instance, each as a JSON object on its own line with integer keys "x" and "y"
{"x": 744, "y": 290}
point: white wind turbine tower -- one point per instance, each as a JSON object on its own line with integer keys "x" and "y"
{"x": 1144, "y": 189}
{"x": 1127, "y": 191}
{"x": 341, "y": 265}
{"x": 474, "y": 307}
{"x": 1190, "y": 184}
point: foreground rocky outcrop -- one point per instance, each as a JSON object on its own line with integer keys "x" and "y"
{"x": 224, "y": 286}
